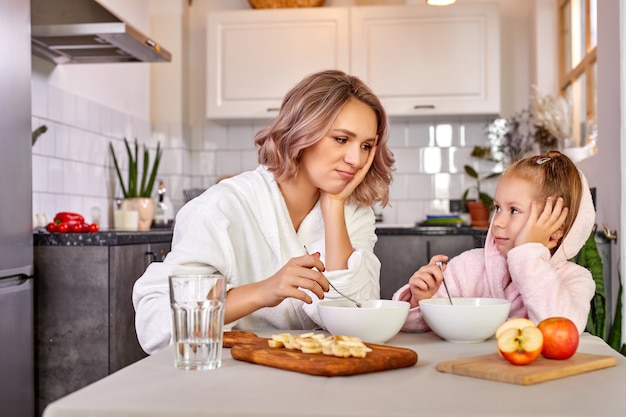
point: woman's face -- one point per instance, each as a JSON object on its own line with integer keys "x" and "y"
{"x": 331, "y": 162}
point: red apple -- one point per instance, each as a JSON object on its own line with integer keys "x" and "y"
{"x": 560, "y": 337}
{"x": 520, "y": 346}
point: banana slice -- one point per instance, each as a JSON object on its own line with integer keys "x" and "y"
{"x": 316, "y": 343}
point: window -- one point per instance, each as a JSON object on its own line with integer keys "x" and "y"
{"x": 577, "y": 59}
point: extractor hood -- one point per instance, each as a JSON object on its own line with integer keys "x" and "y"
{"x": 84, "y": 31}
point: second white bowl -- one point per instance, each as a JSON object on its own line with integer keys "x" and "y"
{"x": 467, "y": 320}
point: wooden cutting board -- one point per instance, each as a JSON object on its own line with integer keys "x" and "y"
{"x": 496, "y": 368}
{"x": 246, "y": 346}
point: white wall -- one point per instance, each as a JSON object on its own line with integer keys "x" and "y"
{"x": 89, "y": 106}
{"x": 85, "y": 107}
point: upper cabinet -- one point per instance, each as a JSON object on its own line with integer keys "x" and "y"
{"x": 424, "y": 60}
{"x": 255, "y": 56}
{"x": 420, "y": 60}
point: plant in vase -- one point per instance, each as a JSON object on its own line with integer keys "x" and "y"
{"x": 137, "y": 196}
{"x": 480, "y": 208}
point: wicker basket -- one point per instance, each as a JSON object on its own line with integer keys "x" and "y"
{"x": 275, "y": 4}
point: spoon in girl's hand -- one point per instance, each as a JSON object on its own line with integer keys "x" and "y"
{"x": 440, "y": 265}
{"x": 338, "y": 292}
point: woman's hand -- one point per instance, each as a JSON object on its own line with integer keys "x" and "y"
{"x": 358, "y": 178}
{"x": 298, "y": 273}
{"x": 545, "y": 226}
{"x": 426, "y": 281}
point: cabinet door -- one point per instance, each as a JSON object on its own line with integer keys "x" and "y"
{"x": 424, "y": 60}
{"x": 401, "y": 255}
{"x": 255, "y": 56}
{"x": 127, "y": 264}
{"x": 71, "y": 319}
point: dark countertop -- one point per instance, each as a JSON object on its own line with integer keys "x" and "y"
{"x": 430, "y": 230}
{"x": 103, "y": 238}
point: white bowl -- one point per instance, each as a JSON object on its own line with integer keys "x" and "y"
{"x": 467, "y": 320}
{"x": 376, "y": 321}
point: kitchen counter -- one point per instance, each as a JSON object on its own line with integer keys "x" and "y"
{"x": 83, "y": 289}
{"x": 154, "y": 387}
{"x": 407, "y": 229}
{"x": 102, "y": 238}
{"x": 403, "y": 249}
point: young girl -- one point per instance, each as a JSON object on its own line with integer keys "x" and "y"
{"x": 324, "y": 162}
{"x": 543, "y": 216}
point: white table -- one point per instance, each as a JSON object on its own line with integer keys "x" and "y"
{"x": 152, "y": 387}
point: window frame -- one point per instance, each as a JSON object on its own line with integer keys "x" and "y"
{"x": 585, "y": 67}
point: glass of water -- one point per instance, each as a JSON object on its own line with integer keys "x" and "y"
{"x": 197, "y": 320}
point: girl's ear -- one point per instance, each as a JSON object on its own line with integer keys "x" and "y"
{"x": 555, "y": 239}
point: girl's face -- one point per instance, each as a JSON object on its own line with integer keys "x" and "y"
{"x": 331, "y": 162}
{"x": 512, "y": 202}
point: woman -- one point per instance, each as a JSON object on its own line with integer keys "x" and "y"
{"x": 324, "y": 161}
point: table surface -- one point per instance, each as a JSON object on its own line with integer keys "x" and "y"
{"x": 152, "y": 387}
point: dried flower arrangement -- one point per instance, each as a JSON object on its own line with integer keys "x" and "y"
{"x": 544, "y": 125}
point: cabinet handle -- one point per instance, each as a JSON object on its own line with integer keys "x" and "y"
{"x": 149, "y": 257}
{"x": 423, "y": 106}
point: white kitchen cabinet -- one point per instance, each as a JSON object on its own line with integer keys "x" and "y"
{"x": 255, "y": 56}
{"x": 424, "y": 60}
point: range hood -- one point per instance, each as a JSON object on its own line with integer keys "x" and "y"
{"x": 84, "y": 31}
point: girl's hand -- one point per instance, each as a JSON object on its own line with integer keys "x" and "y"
{"x": 541, "y": 227}
{"x": 426, "y": 281}
{"x": 288, "y": 282}
{"x": 355, "y": 181}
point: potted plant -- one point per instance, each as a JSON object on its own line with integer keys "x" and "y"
{"x": 480, "y": 208}
{"x": 137, "y": 196}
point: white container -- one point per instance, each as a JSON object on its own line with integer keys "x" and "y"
{"x": 376, "y": 321}
{"x": 467, "y": 320}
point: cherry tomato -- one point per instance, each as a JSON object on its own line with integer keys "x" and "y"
{"x": 51, "y": 227}
{"x": 77, "y": 228}
{"x": 94, "y": 227}
{"x": 84, "y": 228}
{"x": 63, "y": 228}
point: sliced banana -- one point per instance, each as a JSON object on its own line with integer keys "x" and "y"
{"x": 316, "y": 343}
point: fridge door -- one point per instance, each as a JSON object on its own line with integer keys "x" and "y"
{"x": 17, "y": 387}
{"x": 16, "y": 221}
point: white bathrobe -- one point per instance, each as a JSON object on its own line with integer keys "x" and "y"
{"x": 538, "y": 284}
{"x": 241, "y": 228}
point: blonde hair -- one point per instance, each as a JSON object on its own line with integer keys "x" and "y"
{"x": 307, "y": 113}
{"x": 556, "y": 176}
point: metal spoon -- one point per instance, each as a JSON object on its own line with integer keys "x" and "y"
{"x": 440, "y": 265}
{"x": 356, "y": 303}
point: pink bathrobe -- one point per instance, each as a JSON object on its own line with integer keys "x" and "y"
{"x": 537, "y": 284}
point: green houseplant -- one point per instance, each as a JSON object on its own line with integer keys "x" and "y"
{"x": 137, "y": 208}
{"x": 480, "y": 208}
{"x": 589, "y": 258}
{"x": 485, "y": 198}
{"x": 133, "y": 188}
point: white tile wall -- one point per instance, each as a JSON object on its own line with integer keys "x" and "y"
{"x": 73, "y": 170}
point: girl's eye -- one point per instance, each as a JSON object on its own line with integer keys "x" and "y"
{"x": 514, "y": 210}
{"x": 341, "y": 139}
{"x": 496, "y": 208}
{"x": 366, "y": 146}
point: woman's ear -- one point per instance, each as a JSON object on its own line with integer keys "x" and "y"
{"x": 555, "y": 239}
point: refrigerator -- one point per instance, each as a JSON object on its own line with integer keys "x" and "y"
{"x": 16, "y": 239}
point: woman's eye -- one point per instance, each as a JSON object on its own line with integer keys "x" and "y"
{"x": 366, "y": 146}
{"x": 341, "y": 139}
